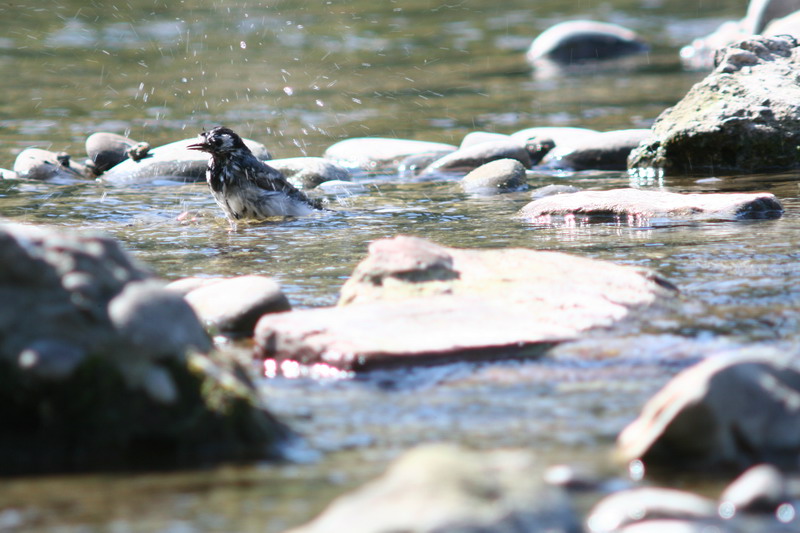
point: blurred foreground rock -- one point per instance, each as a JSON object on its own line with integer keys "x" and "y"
{"x": 445, "y": 489}
{"x": 743, "y": 118}
{"x": 727, "y": 412}
{"x": 412, "y": 301}
{"x": 102, "y": 368}
{"x": 641, "y": 206}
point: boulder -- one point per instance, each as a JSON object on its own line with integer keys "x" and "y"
{"x": 502, "y": 175}
{"x": 641, "y": 206}
{"x": 101, "y": 368}
{"x": 309, "y": 172}
{"x": 234, "y": 305}
{"x": 465, "y": 159}
{"x": 378, "y": 153}
{"x": 44, "y": 165}
{"x": 742, "y": 118}
{"x": 171, "y": 161}
{"x": 415, "y": 301}
{"x": 442, "y": 488}
{"x": 726, "y": 412}
{"x": 539, "y": 141}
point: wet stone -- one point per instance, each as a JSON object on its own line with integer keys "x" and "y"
{"x": 728, "y": 412}
{"x": 473, "y": 156}
{"x": 310, "y": 172}
{"x": 601, "y": 151}
{"x": 171, "y": 161}
{"x": 643, "y": 505}
{"x": 234, "y": 305}
{"x": 639, "y": 206}
{"x": 378, "y": 153}
{"x": 761, "y": 488}
{"x": 44, "y": 165}
{"x": 495, "y": 177}
{"x": 441, "y": 487}
{"x": 413, "y": 301}
{"x": 106, "y": 150}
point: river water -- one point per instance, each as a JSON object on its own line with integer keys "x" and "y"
{"x": 300, "y": 76}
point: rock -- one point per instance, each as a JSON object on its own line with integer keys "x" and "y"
{"x": 184, "y": 286}
{"x": 6, "y": 174}
{"x": 234, "y": 305}
{"x": 106, "y": 150}
{"x": 377, "y": 153}
{"x": 761, "y": 488}
{"x": 442, "y": 488}
{"x": 44, "y": 165}
{"x": 171, "y": 161}
{"x": 641, "y": 206}
{"x": 601, "y": 151}
{"x": 699, "y": 55}
{"x": 470, "y": 158}
{"x": 414, "y": 164}
{"x": 502, "y": 175}
{"x": 726, "y": 412}
{"x": 742, "y": 118}
{"x": 552, "y": 190}
{"x": 541, "y": 140}
{"x": 788, "y": 25}
{"x": 101, "y": 368}
{"x": 309, "y": 172}
{"x": 415, "y": 301}
{"x": 643, "y": 505}
{"x": 579, "y": 43}
{"x": 478, "y": 137}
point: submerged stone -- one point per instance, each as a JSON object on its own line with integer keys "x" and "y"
{"x": 413, "y": 301}
{"x": 443, "y": 488}
{"x": 171, "y": 161}
{"x": 742, "y": 118}
{"x": 102, "y": 368}
{"x": 641, "y": 206}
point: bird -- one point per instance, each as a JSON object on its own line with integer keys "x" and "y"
{"x": 244, "y": 186}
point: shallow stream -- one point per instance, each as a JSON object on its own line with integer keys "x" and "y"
{"x": 300, "y": 76}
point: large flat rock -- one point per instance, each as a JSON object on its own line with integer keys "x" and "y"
{"x": 639, "y": 205}
{"x": 412, "y": 300}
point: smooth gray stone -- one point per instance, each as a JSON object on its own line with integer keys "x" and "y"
{"x": 309, "y": 172}
{"x": 438, "y": 488}
{"x": 44, "y": 165}
{"x": 641, "y": 206}
{"x": 477, "y": 137}
{"x": 600, "y": 151}
{"x": 171, "y": 161}
{"x": 744, "y": 117}
{"x": 106, "y": 150}
{"x": 234, "y": 305}
{"x": 412, "y": 165}
{"x": 539, "y": 141}
{"x": 6, "y": 174}
{"x": 729, "y": 412}
{"x": 581, "y": 42}
{"x": 379, "y": 153}
{"x": 641, "y": 505}
{"x": 495, "y": 177}
{"x": 412, "y": 301}
{"x": 470, "y": 158}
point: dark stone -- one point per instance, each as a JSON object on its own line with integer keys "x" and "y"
{"x": 43, "y": 165}
{"x": 101, "y": 368}
{"x": 742, "y": 118}
{"x": 106, "y": 150}
{"x": 309, "y": 172}
{"x": 601, "y": 151}
{"x": 469, "y": 158}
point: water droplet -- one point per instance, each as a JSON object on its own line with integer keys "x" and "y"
{"x": 636, "y": 470}
{"x": 288, "y": 90}
{"x": 320, "y": 103}
{"x": 726, "y": 510}
{"x": 243, "y": 45}
{"x": 786, "y": 513}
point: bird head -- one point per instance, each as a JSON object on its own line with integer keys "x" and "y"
{"x": 219, "y": 140}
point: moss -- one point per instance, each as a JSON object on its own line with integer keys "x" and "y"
{"x": 93, "y": 421}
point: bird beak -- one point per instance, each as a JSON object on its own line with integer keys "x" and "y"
{"x": 201, "y": 146}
